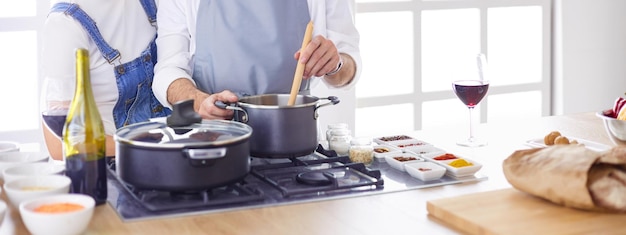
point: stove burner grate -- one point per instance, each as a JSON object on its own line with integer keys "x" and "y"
{"x": 319, "y": 176}
{"x": 155, "y": 200}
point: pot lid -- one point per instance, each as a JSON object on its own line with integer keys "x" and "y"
{"x": 207, "y": 133}
{"x": 184, "y": 128}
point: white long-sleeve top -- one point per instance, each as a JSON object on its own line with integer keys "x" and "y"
{"x": 122, "y": 23}
{"x": 176, "y": 43}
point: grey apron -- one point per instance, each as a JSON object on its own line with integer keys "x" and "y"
{"x": 247, "y": 46}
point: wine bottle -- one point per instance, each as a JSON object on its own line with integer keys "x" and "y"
{"x": 84, "y": 137}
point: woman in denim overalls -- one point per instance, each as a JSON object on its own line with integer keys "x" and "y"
{"x": 135, "y": 102}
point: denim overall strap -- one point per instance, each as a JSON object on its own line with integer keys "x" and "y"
{"x": 149, "y": 6}
{"x": 247, "y": 46}
{"x": 136, "y": 101}
{"x": 73, "y": 10}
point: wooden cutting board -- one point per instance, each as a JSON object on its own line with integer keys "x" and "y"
{"x": 509, "y": 211}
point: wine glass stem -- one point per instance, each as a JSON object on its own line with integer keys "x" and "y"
{"x": 471, "y": 124}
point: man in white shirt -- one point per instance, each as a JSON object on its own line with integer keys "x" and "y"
{"x": 219, "y": 50}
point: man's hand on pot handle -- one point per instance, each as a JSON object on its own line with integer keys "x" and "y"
{"x": 208, "y": 110}
{"x": 204, "y": 104}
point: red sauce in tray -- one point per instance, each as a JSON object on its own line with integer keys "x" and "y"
{"x": 447, "y": 156}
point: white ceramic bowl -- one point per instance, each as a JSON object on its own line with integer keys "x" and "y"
{"x": 412, "y": 145}
{"x": 425, "y": 171}
{"x": 23, "y": 189}
{"x": 9, "y": 146}
{"x": 32, "y": 169}
{"x": 458, "y": 172}
{"x": 392, "y": 139}
{"x": 62, "y": 223}
{"x": 9, "y": 159}
{"x": 615, "y": 129}
{"x": 393, "y": 161}
{"x": 381, "y": 151}
{"x": 428, "y": 151}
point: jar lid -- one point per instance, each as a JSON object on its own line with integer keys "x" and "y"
{"x": 204, "y": 134}
{"x": 338, "y": 125}
{"x": 340, "y": 132}
{"x": 361, "y": 141}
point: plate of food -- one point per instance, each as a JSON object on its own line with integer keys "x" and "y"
{"x": 556, "y": 138}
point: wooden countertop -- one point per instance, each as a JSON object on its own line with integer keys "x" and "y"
{"x": 398, "y": 212}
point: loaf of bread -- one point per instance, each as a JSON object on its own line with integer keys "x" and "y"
{"x": 571, "y": 175}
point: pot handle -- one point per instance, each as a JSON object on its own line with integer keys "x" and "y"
{"x": 205, "y": 154}
{"x": 222, "y": 105}
{"x": 332, "y": 100}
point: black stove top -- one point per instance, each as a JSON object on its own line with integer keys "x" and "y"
{"x": 319, "y": 176}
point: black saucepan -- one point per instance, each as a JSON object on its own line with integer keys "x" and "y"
{"x": 184, "y": 154}
{"x": 280, "y": 130}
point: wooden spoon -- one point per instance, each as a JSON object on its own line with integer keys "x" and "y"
{"x": 297, "y": 77}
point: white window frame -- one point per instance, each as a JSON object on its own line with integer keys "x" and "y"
{"x": 418, "y": 97}
{"x": 30, "y": 23}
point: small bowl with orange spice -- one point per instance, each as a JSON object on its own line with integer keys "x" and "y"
{"x": 23, "y": 189}
{"x": 57, "y": 214}
{"x": 456, "y": 166}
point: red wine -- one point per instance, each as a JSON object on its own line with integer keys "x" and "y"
{"x": 93, "y": 183}
{"x": 55, "y": 123}
{"x": 471, "y": 92}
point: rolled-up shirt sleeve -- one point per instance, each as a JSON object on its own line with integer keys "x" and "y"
{"x": 335, "y": 20}
{"x": 176, "y": 28}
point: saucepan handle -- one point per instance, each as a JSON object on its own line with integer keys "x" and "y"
{"x": 332, "y": 100}
{"x": 204, "y": 157}
{"x": 222, "y": 105}
{"x": 205, "y": 154}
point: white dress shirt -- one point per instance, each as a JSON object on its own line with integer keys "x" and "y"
{"x": 177, "y": 32}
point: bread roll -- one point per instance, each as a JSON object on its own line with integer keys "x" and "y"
{"x": 571, "y": 175}
{"x": 561, "y": 140}
{"x": 549, "y": 139}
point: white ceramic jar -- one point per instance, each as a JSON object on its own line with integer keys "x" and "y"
{"x": 335, "y": 126}
{"x": 340, "y": 141}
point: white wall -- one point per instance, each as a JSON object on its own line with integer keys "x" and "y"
{"x": 590, "y": 54}
{"x": 342, "y": 112}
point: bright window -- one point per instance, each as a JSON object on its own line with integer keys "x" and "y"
{"x": 408, "y": 68}
{"x": 20, "y": 24}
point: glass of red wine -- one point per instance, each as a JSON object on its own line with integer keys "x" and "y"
{"x": 471, "y": 92}
{"x": 55, "y": 100}
{"x": 55, "y": 120}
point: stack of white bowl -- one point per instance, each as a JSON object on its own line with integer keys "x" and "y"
{"x": 32, "y": 180}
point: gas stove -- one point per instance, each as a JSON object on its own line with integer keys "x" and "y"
{"x": 321, "y": 175}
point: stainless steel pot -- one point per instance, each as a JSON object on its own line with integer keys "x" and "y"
{"x": 179, "y": 156}
{"x": 280, "y": 130}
